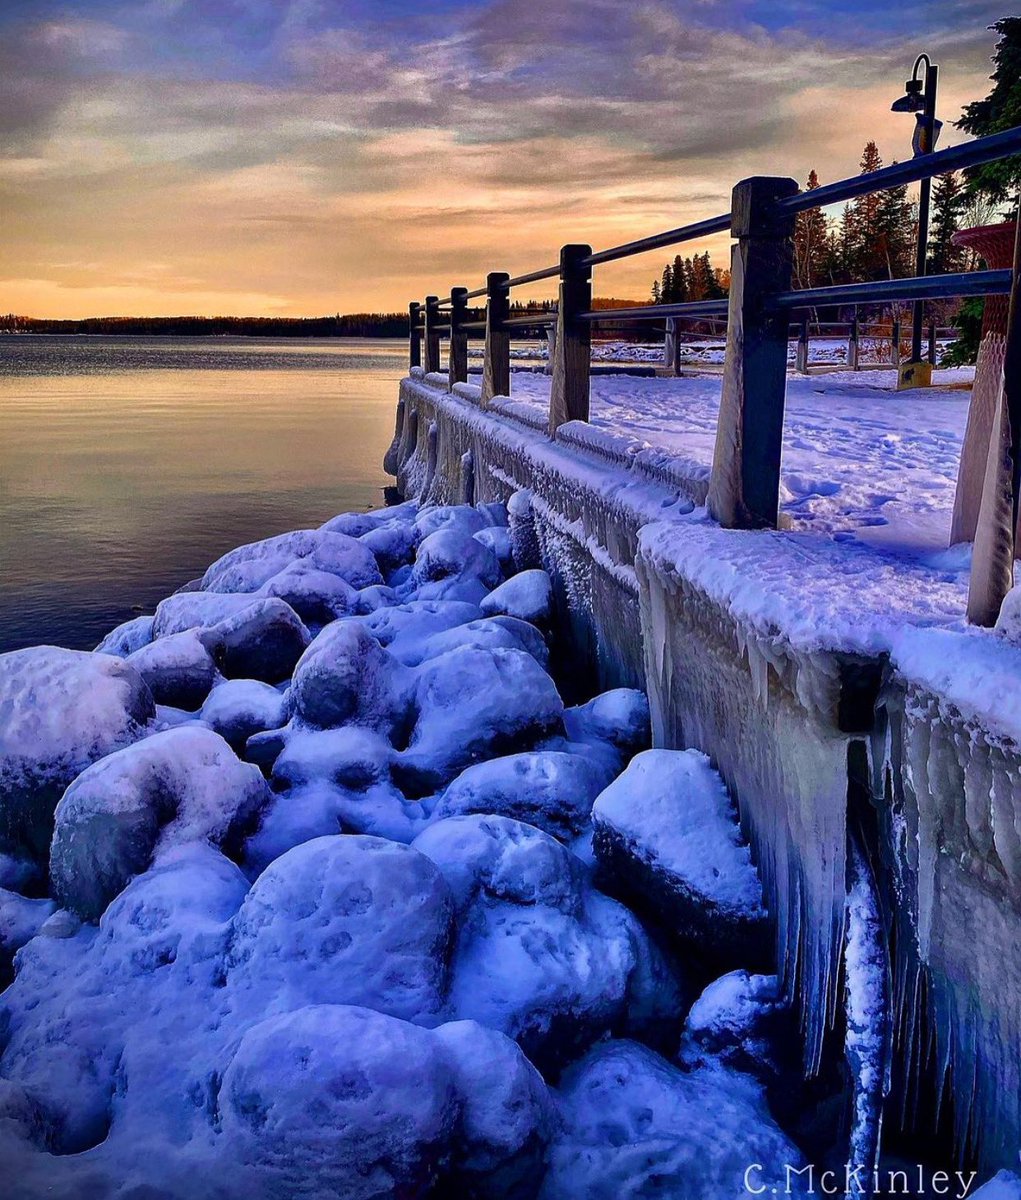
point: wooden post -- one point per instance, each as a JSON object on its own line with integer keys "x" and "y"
{"x": 932, "y": 342}
{"x": 992, "y": 560}
{"x": 496, "y": 364}
{"x": 895, "y": 345}
{"x": 672, "y": 346}
{"x": 801, "y": 359}
{"x": 457, "y": 364}
{"x": 569, "y": 393}
{"x": 414, "y": 335}
{"x": 432, "y": 334}
{"x": 852, "y": 343}
{"x": 744, "y": 489}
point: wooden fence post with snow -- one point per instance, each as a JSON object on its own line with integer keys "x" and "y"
{"x": 457, "y": 363}
{"x": 992, "y": 561}
{"x": 744, "y": 489}
{"x": 932, "y": 342}
{"x": 414, "y": 335}
{"x": 496, "y": 363}
{"x": 801, "y": 360}
{"x": 895, "y": 345}
{"x": 569, "y": 393}
{"x": 852, "y": 343}
{"x": 672, "y": 346}
{"x": 432, "y": 334}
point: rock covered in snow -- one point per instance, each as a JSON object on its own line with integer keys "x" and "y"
{"x": 619, "y": 717}
{"x": 741, "y": 1021}
{"x": 127, "y": 638}
{"x": 666, "y": 837}
{"x": 1004, "y": 1185}
{"x": 21, "y": 919}
{"x": 238, "y": 708}
{"x": 527, "y": 596}
{"x": 541, "y": 955}
{"x": 248, "y": 568}
{"x": 61, "y": 710}
{"x": 498, "y": 539}
{"x": 180, "y": 669}
{"x": 344, "y": 920}
{"x": 549, "y": 789}
{"x": 316, "y": 596}
{"x": 182, "y": 785}
{"x": 634, "y": 1125}
{"x": 451, "y": 564}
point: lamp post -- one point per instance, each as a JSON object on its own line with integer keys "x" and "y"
{"x": 920, "y": 98}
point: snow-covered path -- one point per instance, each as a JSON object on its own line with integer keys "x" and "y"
{"x": 861, "y": 460}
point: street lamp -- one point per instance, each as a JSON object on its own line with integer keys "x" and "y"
{"x": 920, "y": 98}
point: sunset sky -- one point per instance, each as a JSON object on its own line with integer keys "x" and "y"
{"x": 300, "y": 157}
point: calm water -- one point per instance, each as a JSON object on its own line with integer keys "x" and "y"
{"x": 128, "y": 464}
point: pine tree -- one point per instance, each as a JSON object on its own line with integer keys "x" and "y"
{"x": 680, "y": 281}
{"x": 666, "y": 287}
{"x": 895, "y": 236}
{"x": 655, "y": 291}
{"x": 948, "y": 204}
{"x": 1000, "y": 110}
{"x": 810, "y": 242}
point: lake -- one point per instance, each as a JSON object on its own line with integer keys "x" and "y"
{"x": 128, "y": 464}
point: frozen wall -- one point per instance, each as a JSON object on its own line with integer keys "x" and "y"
{"x": 792, "y": 667}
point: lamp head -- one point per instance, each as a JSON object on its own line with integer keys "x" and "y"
{"x": 912, "y": 101}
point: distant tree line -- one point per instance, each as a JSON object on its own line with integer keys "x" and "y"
{"x": 689, "y": 279}
{"x": 351, "y": 325}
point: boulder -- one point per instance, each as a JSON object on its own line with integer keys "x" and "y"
{"x": 247, "y": 568}
{"x": 404, "y": 628}
{"x": 393, "y": 544}
{"x": 540, "y": 955}
{"x": 740, "y": 1020}
{"x": 61, "y": 711}
{"x": 180, "y": 669}
{"x": 551, "y": 790}
{"x": 263, "y": 641}
{"x": 492, "y": 633}
{"x": 668, "y": 842}
{"x": 344, "y": 920}
{"x": 472, "y": 704}
{"x": 346, "y": 677}
{"x": 634, "y": 1125}
{"x": 459, "y": 517}
{"x": 183, "y": 785}
{"x": 527, "y": 596}
{"x": 316, "y": 596}
{"x": 20, "y": 920}
{"x": 498, "y": 539}
{"x": 127, "y": 638}
{"x": 451, "y": 565}
{"x": 619, "y": 717}
{"x": 238, "y": 708}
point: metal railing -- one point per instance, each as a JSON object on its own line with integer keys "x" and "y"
{"x": 745, "y": 487}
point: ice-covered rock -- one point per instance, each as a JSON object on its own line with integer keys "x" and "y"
{"x": 182, "y": 785}
{"x": 619, "y": 717}
{"x": 342, "y": 1101}
{"x": 127, "y": 638}
{"x": 21, "y": 918}
{"x": 344, "y": 920}
{"x": 541, "y": 955}
{"x": 393, "y": 544}
{"x": 316, "y": 596}
{"x": 667, "y": 839}
{"x": 1004, "y": 1185}
{"x": 451, "y": 565}
{"x": 258, "y": 637}
{"x": 346, "y": 677}
{"x": 460, "y": 517}
{"x": 527, "y": 596}
{"x": 498, "y": 539}
{"x": 356, "y": 524}
{"x": 740, "y": 1020}
{"x": 60, "y": 710}
{"x": 492, "y": 633}
{"x": 634, "y": 1125}
{"x": 180, "y": 669}
{"x": 472, "y": 704}
{"x": 551, "y": 790}
{"x": 1008, "y": 623}
{"x": 237, "y": 708}
{"x": 404, "y": 628}
{"x": 247, "y": 568}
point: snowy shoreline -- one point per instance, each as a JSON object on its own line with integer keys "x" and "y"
{"x": 322, "y": 825}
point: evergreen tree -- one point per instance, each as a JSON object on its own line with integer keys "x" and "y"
{"x": 680, "y": 281}
{"x": 666, "y": 287}
{"x": 1000, "y": 110}
{"x": 655, "y": 291}
{"x": 948, "y": 204}
{"x": 896, "y": 235}
{"x": 810, "y": 242}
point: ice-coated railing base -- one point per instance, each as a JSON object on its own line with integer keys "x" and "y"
{"x": 811, "y": 734}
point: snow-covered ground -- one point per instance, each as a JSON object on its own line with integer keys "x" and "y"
{"x": 861, "y": 461}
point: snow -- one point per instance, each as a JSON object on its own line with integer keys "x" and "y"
{"x": 180, "y": 669}
{"x": 248, "y": 568}
{"x": 672, "y": 809}
{"x": 527, "y": 596}
{"x": 238, "y": 708}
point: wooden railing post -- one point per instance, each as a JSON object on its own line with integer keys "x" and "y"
{"x": 672, "y": 346}
{"x": 852, "y": 343}
{"x": 801, "y": 358}
{"x": 569, "y": 392}
{"x": 457, "y": 363}
{"x": 414, "y": 335}
{"x": 932, "y": 342}
{"x": 992, "y": 559}
{"x": 744, "y": 489}
{"x": 432, "y": 334}
{"x": 895, "y": 344}
{"x": 496, "y": 364}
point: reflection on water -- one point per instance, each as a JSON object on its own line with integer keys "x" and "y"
{"x": 128, "y": 464}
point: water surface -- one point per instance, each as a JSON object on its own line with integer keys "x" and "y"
{"x": 128, "y": 464}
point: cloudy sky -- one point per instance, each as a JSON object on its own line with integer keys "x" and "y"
{"x": 308, "y": 156}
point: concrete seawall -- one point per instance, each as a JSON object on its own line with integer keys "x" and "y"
{"x": 817, "y": 738}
